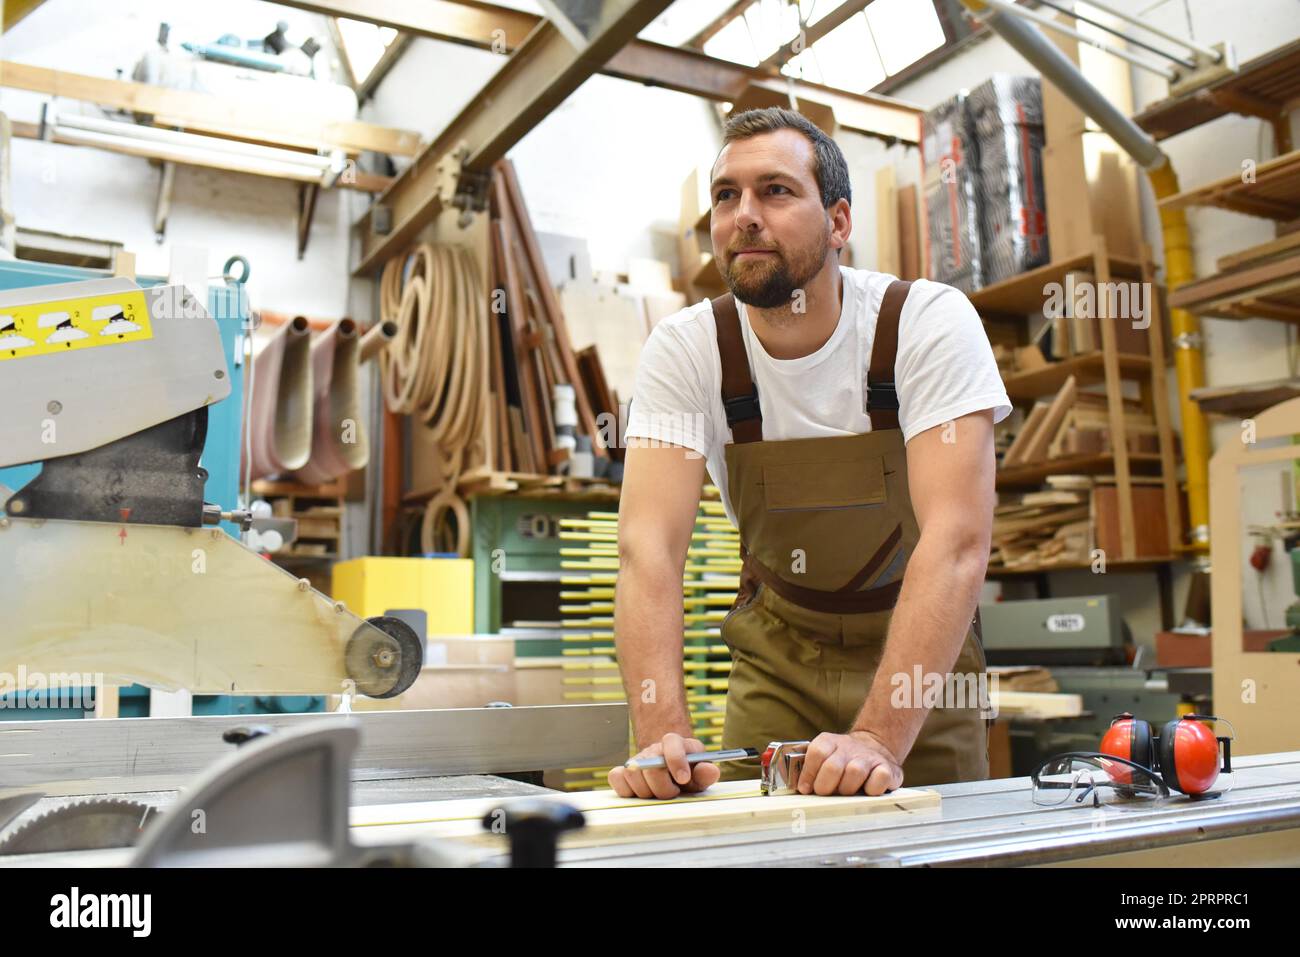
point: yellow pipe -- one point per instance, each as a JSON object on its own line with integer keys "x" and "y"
{"x": 1189, "y": 359}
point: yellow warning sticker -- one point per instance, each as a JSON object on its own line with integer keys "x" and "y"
{"x": 44, "y": 328}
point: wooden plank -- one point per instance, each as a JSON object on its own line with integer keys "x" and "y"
{"x": 887, "y": 252}
{"x": 1256, "y": 254}
{"x": 535, "y": 458}
{"x": 726, "y": 808}
{"x": 1037, "y": 704}
{"x": 1246, "y": 400}
{"x": 1023, "y": 294}
{"x": 1036, "y": 449}
{"x": 1272, "y": 192}
{"x": 1234, "y": 283}
{"x": 1036, "y": 473}
{"x": 243, "y": 118}
{"x": 1160, "y": 411}
{"x": 1085, "y": 369}
{"x": 1115, "y": 402}
{"x": 909, "y": 239}
{"x": 1015, "y": 454}
{"x": 551, "y": 306}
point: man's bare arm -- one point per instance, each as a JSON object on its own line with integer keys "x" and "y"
{"x": 656, "y": 516}
{"x": 950, "y": 471}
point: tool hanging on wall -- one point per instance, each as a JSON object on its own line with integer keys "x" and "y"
{"x": 339, "y": 442}
{"x": 479, "y": 365}
{"x": 436, "y": 367}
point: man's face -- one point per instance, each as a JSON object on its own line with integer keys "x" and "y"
{"x": 771, "y": 234}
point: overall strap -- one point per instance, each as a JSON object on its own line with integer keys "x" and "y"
{"x": 882, "y": 397}
{"x": 739, "y": 394}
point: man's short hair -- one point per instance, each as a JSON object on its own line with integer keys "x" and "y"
{"x": 829, "y": 167}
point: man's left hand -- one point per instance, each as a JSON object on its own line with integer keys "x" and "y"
{"x": 849, "y": 764}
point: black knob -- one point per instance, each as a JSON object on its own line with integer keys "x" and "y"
{"x": 241, "y": 736}
{"x": 533, "y": 826}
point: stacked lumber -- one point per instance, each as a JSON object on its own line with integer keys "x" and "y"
{"x": 531, "y": 351}
{"x": 1262, "y": 281}
{"x": 1074, "y": 423}
{"x": 1051, "y": 527}
{"x": 1024, "y": 678}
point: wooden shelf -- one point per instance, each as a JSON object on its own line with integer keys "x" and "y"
{"x": 1270, "y": 290}
{"x": 1086, "y": 369}
{"x": 1274, "y": 192}
{"x": 1245, "y": 401}
{"x": 1112, "y": 564}
{"x": 1267, "y": 84}
{"x": 1024, "y": 476}
{"x": 483, "y": 482}
{"x": 1023, "y": 294}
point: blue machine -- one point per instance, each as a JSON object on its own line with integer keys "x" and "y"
{"x": 221, "y": 458}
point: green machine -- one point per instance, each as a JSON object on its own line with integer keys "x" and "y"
{"x": 516, "y": 549}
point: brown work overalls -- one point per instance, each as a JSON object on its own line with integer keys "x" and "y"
{"x": 826, "y": 528}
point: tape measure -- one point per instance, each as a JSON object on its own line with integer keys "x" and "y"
{"x": 46, "y": 328}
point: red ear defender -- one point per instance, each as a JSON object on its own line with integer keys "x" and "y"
{"x": 1129, "y": 738}
{"x": 1185, "y": 755}
{"x": 1189, "y": 754}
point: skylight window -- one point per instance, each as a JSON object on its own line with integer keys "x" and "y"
{"x": 871, "y": 45}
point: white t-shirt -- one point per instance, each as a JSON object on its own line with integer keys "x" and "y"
{"x": 944, "y": 369}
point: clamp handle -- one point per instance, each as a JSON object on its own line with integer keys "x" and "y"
{"x": 534, "y": 827}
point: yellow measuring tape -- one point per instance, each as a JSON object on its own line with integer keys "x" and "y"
{"x": 45, "y": 328}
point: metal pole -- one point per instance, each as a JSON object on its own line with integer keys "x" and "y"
{"x": 1213, "y": 54}
{"x": 1011, "y": 9}
{"x": 1056, "y": 67}
{"x": 1134, "y": 41}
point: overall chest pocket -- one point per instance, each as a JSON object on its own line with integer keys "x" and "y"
{"x": 808, "y": 486}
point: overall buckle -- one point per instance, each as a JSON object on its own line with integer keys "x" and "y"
{"x": 882, "y": 396}
{"x": 742, "y": 407}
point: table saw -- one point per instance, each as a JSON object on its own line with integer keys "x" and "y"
{"x": 423, "y": 787}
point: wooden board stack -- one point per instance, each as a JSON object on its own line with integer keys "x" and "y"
{"x": 710, "y": 581}
{"x": 531, "y": 350}
{"x": 1074, "y": 423}
{"x": 1257, "y": 282}
{"x": 1042, "y": 528}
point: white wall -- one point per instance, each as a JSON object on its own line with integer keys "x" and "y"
{"x": 101, "y": 195}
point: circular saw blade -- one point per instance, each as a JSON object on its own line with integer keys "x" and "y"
{"x": 383, "y": 657}
{"x": 80, "y": 826}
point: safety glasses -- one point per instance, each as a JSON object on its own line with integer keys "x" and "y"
{"x": 1089, "y": 778}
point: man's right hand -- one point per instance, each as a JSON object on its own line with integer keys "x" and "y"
{"x": 667, "y": 782}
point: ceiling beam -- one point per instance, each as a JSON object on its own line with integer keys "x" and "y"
{"x": 15, "y": 10}
{"x": 654, "y": 64}
{"x": 537, "y": 77}
{"x": 807, "y": 37}
{"x": 475, "y": 24}
{"x": 243, "y": 118}
{"x": 710, "y": 30}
